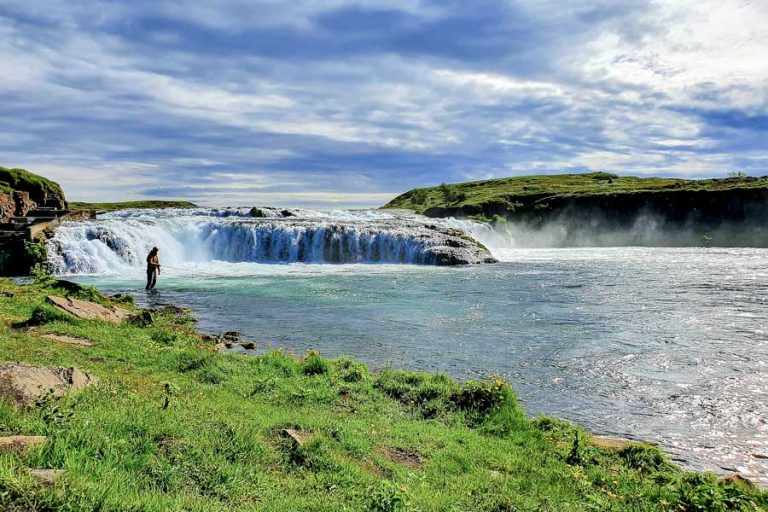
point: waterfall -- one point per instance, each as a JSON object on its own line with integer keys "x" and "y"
{"x": 118, "y": 242}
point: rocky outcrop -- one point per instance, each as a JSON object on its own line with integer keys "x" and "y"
{"x": 15, "y": 203}
{"x": 7, "y": 206}
{"x": 22, "y": 191}
{"x": 22, "y": 383}
{"x": 88, "y": 310}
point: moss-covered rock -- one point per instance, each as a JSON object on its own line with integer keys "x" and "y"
{"x": 42, "y": 191}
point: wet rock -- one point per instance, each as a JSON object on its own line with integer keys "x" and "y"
{"x": 88, "y": 310}
{"x": 452, "y": 256}
{"x": 22, "y": 383}
{"x": 68, "y": 340}
{"x": 207, "y": 338}
{"x": 248, "y": 345}
{"x": 143, "y": 319}
{"x": 68, "y": 285}
{"x": 230, "y": 336}
{"x": 18, "y": 444}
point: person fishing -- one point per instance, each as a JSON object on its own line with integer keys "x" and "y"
{"x": 153, "y": 268}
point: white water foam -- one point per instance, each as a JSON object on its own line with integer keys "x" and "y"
{"x": 201, "y": 238}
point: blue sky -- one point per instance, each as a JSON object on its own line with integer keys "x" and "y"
{"x": 347, "y": 103}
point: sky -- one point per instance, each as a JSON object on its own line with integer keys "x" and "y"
{"x": 346, "y": 103}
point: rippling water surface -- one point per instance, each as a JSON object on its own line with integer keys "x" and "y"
{"x": 668, "y": 345}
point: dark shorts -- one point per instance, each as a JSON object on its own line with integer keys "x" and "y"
{"x": 151, "y": 278}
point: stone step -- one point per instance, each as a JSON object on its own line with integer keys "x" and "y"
{"x": 68, "y": 340}
{"x": 19, "y": 443}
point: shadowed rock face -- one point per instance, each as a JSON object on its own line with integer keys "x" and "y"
{"x": 15, "y": 204}
{"x": 23, "y": 383}
{"x": 7, "y": 206}
{"x": 725, "y": 218}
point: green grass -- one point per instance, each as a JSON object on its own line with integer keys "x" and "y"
{"x": 110, "y": 207}
{"x": 383, "y": 441}
{"x": 20, "y": 179}
{"x": 512, "y": 192}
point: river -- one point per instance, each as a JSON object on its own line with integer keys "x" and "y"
{"x": 662, "y": 344}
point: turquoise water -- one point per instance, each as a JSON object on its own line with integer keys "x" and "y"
{"x": 668, "y": 345}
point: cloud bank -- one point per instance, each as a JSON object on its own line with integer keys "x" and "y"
{"x": 347, "y": 103}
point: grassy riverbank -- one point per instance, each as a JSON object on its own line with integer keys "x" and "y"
{"x": 383, "y": 442}
{"x": 516, "y": 193}
{"x": 124, "y": 205}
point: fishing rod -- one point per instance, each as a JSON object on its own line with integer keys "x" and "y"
{"x": 194, "y": 270}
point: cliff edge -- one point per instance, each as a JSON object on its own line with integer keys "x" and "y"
{"x": 726, "y": 212}
{"x": 22, "y": 191}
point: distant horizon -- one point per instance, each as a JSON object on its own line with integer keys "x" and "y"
{"x": 348, "y": 103}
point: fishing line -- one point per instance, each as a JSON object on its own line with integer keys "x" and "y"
{"x": 192, "y": 270}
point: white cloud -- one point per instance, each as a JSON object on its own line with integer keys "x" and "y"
{"x": 691, "y": 43}
{"x": 617, "y": 88}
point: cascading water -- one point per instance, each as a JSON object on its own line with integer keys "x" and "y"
{"x": 119, "y": 241}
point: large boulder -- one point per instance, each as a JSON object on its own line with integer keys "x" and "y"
{"x": 88, "y": 310}
{"x": 23, "y": 383}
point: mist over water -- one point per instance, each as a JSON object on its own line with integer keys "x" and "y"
{"x": 646, "y": 229}
{"x": 663, "y": 344}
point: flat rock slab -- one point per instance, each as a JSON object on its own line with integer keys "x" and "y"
{"x": 23, "y": 383}
{"x": 68, "y": 340}
{"x": 46, "y": 476}
{"x": 19, "y": 443}
{"x": 614, "y": 443}
{"x": 88, "y": 310}
{"x": 409, "y": 457}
